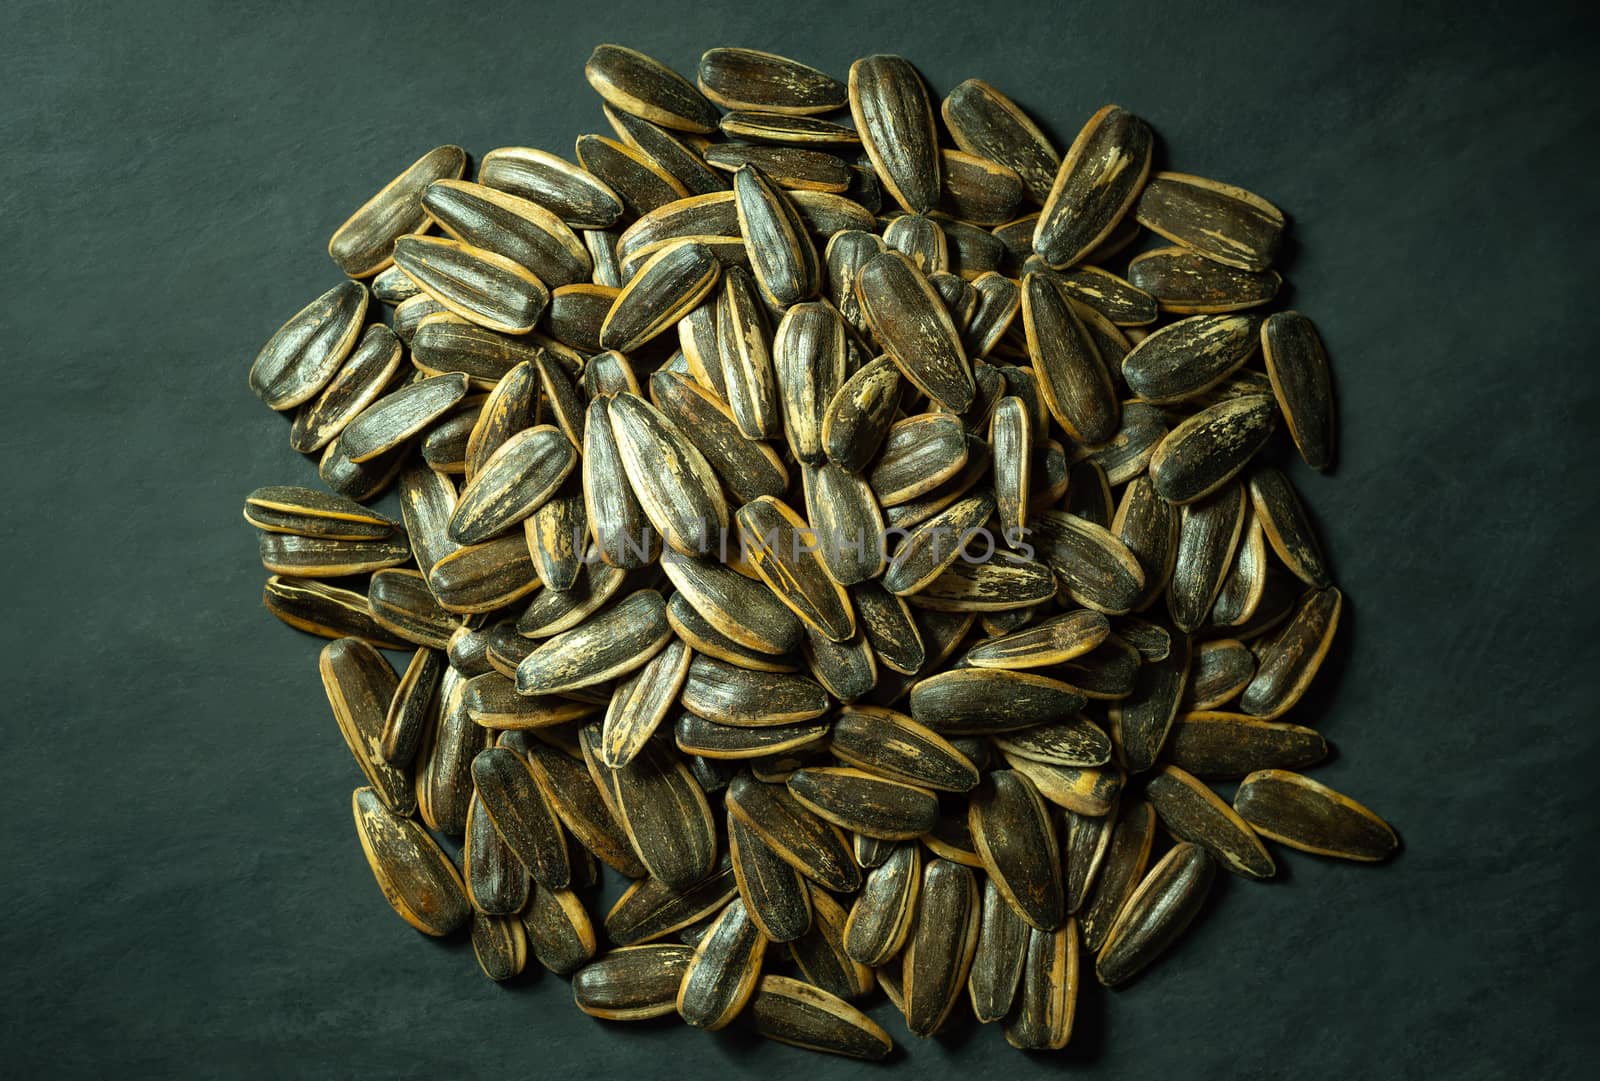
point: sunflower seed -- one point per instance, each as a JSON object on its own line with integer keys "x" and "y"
{"x": 672, "y": 480}
{"x": 1140, "y": 722}
{"x": 1083, "y": 790}
{"x": 1112, "y": 298}
{"x": 500, "y": 944}
{"x": 303, "y": 355}
{"x": 810, "y": 364}
{"x": 985, "y": 700}
{"x": 567, "y": 786}
{"x": 750, "y": 79}
{"x": 360, "y": 685}
{"x": 744, "y": 349}
{"x": 998, "y": 961}
{"x": 1208, "y": 449}
{"x": 881, "y": 918}
{"x": 1148, "y": 526}
{"x": 610, "y": 644}
{"x": 640, "y": 184}
{"x": 1013, "y": 835}
{"x": 522, "y": 814}
{"x": 1072, "y": 377}
{"x": 696, "y": 735}
{"x": 668, "y": 151}
{"x": 1094, "y": 567}
{"x": 480, "y": 286}
{"x": 1309, "y": 816}
{"x": 744, "y": 610}
{"x": 1122, "y": 868}
{"x": 894, "y": 746}
{"x": 985, "y": 122}
{"x": 1222, "y": 222}
{"x": 935, "y": 545}
{"x": 517, "y": 479}
{"x": 391, "y": 420}
{"x": 1060, "y": 638}
{"x": 1044, "y": 1014}
{"x": 798, "y": 1014}
{"x": 623, "y": 537}
{"x": 634, "y": 983}
{"x": 1185, "y": 282}
{"x": 1076, "y": 741}
{"x": 550, "y": 613}
{"x": 919, "y": 238}
{"x": 1191, "y": 356}
{"x": 307, "y": 512}
{"x": 1225, "y": 746}
{"x": 1245, "y": 583}
{"x": 918, "y": 455}
{"x": 1192, "y": 812}
{"x": 861, "y": 413}
{"x": 1088, "y": 839}
{"x": 784, "y": 260}
{"x": 641, "y": 701}
{"x": 1298, "y": 367}
{"x": 412, "y": 708}
{"x": 324, "y": 610}
{"x": 650, "y": 909}
{"x": 907, "y": 316}
{"x": 365, "y": 243}
{"x": 1291, "y": 659}
{"x": 1208, "y": 534}
{"x": 417, "y": 878}
{"x": 847, "y": 525}
{"x": 668, "y": 286}
{"x": 723, "y": 973}
{"x": 766, "y": 126}
{"x": 780, "y": 546}
{"x": 727, "y": 694}
{"x": 574, "y": 195}
{"x": 847, "y": 670}
{"x": 484, "y": 577}
{"x": 402, "y": 604}
{"x": 938, "y": 955}
{"x": 774, "y": 893}
{"x": 864, "y": 803}
{"x": 509, "y": 225}
{"x": 895, "y": 120}
{"x": 558, "y": 930}
{"x": 646, "y": 88}
{"x": 705, "y": 637}
{"x": 497, "y": 882}
{"x": 443, "y": 344}
{"x": 1098, "y": 182}
{"x": 365, "y": 373}
{"x": 820, "y": 953}
{"x": 806, "y": 842}
{"x": 1156, "y": 914}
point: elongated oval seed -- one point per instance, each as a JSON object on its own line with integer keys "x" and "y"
{"x": 1072, "y": 378}
{"x": 906, "y": 314}
{"x": 1222, "y": 746}
{"x": 724, "y": 971}
{"x": 360, "y": 684}
{"x": 1049, "y": 993}
{"x": 1099, "y": 180}
{"x": 774, "y": 892}
{"x": 417, "y": 878}
{"x": 783, "y": 551}
{"x": 984, "y": 701}
{"x": 523, "y": 816}
{"x": 509, "y": 225}
{"x": 895, "y": 120}
{"x": 806, "y": 842}
{"x": 1310, "y": 816}
{"x": 669, "y": 285}
{"x": 634, "y": 983}
{"x": 1076, "y": 741}
{"x": 574, "y": 195}
{"x": 1156, "y": 914}
{"x": 881, "y": 918}
{"x": 365, "y": 374}
{"x": 1222, "y": 222}
{"x": 1189, "y": 357}
{"x": 799, "y": 1014}
{"x": 672, "y": 480}
{"x": 998, "y": 961}
{"x": 938, "y": 957}
{"x": 1093, "y": 565}
{"x": 1052, "y": 641}
{"x": 1291, "y": 660}
{"x": 641, "y": 701}
{"x": 751, "y": 79}
{"x": 643, "y": 86}
{"x": 303, "y": 354}
{"x": 1121, "y": 870}
{"x": 1192, "y": 812}
{"x": 985, "y": 122}
{"x": 864, "y": 803}
{"x": 516, "y": 480}
{"x": 1013, "y": 835}
{"x": 610, "y": 644}
{"x": 1298, "y": 367}
{"x": 810, "y": 361}
{"x": 781, "y": 253}
{"x": 861, "y": 413}
{"x": 1208, "y": 449}
{"x": 893, "y": 745}
{"x": 364, "y": 244}
{"x": 477, "y": 285}
{"x": 1185, "y": 282}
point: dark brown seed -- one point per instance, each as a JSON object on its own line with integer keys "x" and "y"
{"x": 846, "y": 522}
{"x": 806, "y": 842}
{"x": 609, "y": 373}
{"x": 574, "y": 195}
{"x": 650, "y": 909}
{"x": 364, "y": 244}
{"x": 669, "y": 151}
{"x": 1076, "y": 741}
{"x": 1148, "y": 526}
{"x": 1013, "y": 834}
{"x": 1222, "y": 222}
{"x": 871, "y": 851}
{"x": 937, "y": 544}
{"x": 622, "y": 534}
{"x": 1192, "y": 812}
{"x": 985, "y": 122}
{"x": 774, "y": 893}
{"x": 864, "y": 803}
{"x": 1221, "y": 670}
{"x": 555, "y": 535}
{"x": 1089, "y": 494}
{"x": 1094, "y": 567}
{"x": 444, "y": 776}
{"x": 1088, "y": 839}
{"x": 782, "y": 256}
{"x": 710, "y": 215}
{"x": 1072, "y": 378}
{"x": 1225, "y": 746}
{"x": 1011, "y": 441}
{"x": 860, "y": 415}
{"x": 1208, "y": 449}
{"x": 641, "y": 701}
{"x": 764, "y": 126}
{"x": 633, "y": 984}
{"x": 973, "y": 252}
{"x": 311, "y": 513}
{"x": 698, "y": 736}
{"x": 881, "y": 918}
{"x": 919, "y": 454}
{"x": 604, "y": 647}
{"x": 1286, "y": 527}
{"x": 938, "y": 956}
{"x": 1049, "y": 993}
{"x": 951, "y": 839}
{"x": 1191, "y": 356}
{"x": 497, "y": 882}
{"x": 323, "y": 610}
{"x": 444, "y": 444}
{"x": 522, "y": 814}
{"x": 848, "y": 670}
{"x": 637, "y": 180}
{"x": 1052, "y": 641}
{"x": 492, "y": 701}
{"x": 412, "y": 708}
{"x": 1291, "y": 659}
{"x": 670, "y": 284}
{"x": 1098, "y": 182}
{"x": 566, "y": 784}
{"x": 484, "y": 577}
{"x": 811, "y": 362}
{"x": 1298, "y": 367}
{"x": 820, "y": 953}
{"x": 444, "y": 344}
{"x": 1312, "y": 817}
{"x": 578, "y": 312}
{"x": 364, "y": 375}
{"x": 705, "y": 637}
{"x": 920, "y": 240}
{"x": 1112, "y": 298}
{"x": 847, "y": 252}
{"x": 559, "y": 930}
{"x": 550, "y": 613}
{"x": 402, "y": 603}
{"x": 995, "y": 586}
{"x": 890, "y": 628}
{"x": 1121, "y": 870}
{"x": 1187, "y": 283}
{"x": 1156, "y": 914}
{"x": 363, "y": 481}
{"x": 723, "y": 973}
{"x": 1208, "y": 534}
{"x": 796, "y": 1013}
{"x": 396, "y": 417}
{"x": 1246, "y": 581}
{"x": 643, "y": 86}
{"x": 417, "y": 878}
{"x": 672, "y": 480}
{"x": 509, "y": 225}
{"x": 1109, "y": 671}
{"x": 893, "y": 745}
{"x": 781, "y": 548}
{"x": 500, "y": 944}
{"x": 1081, "y": 789}
{"x": 360, "y": 684}
{"x": 478, "y": 285}
{"x": 786, "y": 166}
{"x": 984, "y": 701}
{"x": 303, "y": 355}
{"x": 905, "y": 313}
{"x": 751, "y": 79}
{"x": 516, "y": 480}
{"x": 744, "y": 610}
{"x": 1140, "y": 722}
{"x": 728, "y": 694}
{"x": 997, "y": 963}
{"x": 895, "y": 120}
{"x": 745, "y": 356}
{"x": 978, "y": 190}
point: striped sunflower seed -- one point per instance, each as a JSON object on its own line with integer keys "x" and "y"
{"x": 1098, "y": 182}
{"x": 1298, "y": 368}
{"x": 938, "y": 954}
{"x": 1222, "y": 222}
{"x": 303, "y": 355}
{"x": 1185, "y": 282}
{"x": 417, "y": 878}
{"x": 905, "y": 313}
{"x": 801, "y": 1015}
{"x": 750, "y": 79}
{"x": 1156, "y": 914}
{"x": 895, "y": 120}
{"x": 1307, "y": 815}
{"x": 644, "y": 87}
{"x": 365, "y": 243}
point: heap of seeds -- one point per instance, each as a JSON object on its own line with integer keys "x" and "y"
{"x": 853, "y": 531}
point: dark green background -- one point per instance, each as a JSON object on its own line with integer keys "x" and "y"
{"x": 183, "y": 893}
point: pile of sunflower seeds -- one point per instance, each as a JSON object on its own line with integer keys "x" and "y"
{"x": 861, "y": 542}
